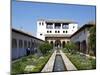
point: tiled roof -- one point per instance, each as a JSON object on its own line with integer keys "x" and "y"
{"x": 82, "y": 28}
{"x": 24, "y": 33}
{"x": 57, "y": 20}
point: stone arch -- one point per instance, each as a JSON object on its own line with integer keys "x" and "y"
{"x": 78, "y": 45}
{"x": 58, "y": 44}
{"x": 63, "y": 44}
{"x": 84, "y": 47}
{"x": 51, "y": 43}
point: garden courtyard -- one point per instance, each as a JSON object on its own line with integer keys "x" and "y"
{"x": 56, "y": 59}
{"x": 53, "y": 60}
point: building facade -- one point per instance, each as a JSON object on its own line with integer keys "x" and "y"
{"x": 21, "y": 41}
{"x": 81, "y": 37}
{"x": 56, "y": 32}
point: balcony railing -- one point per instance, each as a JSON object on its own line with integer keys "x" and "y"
{"x": 65, "y": 26}
{"x": 49, "y": 26}
{"x": 57, "y": 27}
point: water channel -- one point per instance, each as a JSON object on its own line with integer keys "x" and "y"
{"x": 59, "y": 64}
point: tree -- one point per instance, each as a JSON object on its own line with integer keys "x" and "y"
{"x": 45, "y": 48}
{"x": 92, "y": 40}
{"x": 71, "y": 47}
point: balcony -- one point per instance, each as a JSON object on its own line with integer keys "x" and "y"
{"x": 57, "y": 25}
{"x": 65, "y": 26}
{"x": 49, "y": 26}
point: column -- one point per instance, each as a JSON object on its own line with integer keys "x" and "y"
{"x": 54, "y": 44}
{"x": 53, "y": 25}
{"x": 61, "y": 43}
{"x": 61, "y": 26}
{"x": 17, "y": 53}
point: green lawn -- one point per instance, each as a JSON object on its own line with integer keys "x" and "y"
{"x": 37, "y": 62}
{"x": 80, "y": 61}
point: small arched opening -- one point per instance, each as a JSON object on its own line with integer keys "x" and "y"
{"x": 57, "y": 44}
{"x": 84, "y": 47}
{"x": 51, "y": 43}
{"x": 63, "y": 44}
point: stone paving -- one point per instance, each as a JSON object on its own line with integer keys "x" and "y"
{"x": 49, "y": 66}
{"x": 67, "y": 62}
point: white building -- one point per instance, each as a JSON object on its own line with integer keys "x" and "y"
{"x": 56, "y": 30}
{"x": 58, "y": 27}
{"x": 21, "y": 41}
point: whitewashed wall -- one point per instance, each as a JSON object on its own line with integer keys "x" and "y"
{"x": 19, "y": 52}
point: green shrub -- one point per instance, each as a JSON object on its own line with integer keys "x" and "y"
{"x": 91, "y": 53}
{"x": 18, "y": 67}
{"x": 65, "y": 50}
{"x": 71, "y": 47}
{"x": 41, "y": 63}
{"x": 24, "y": 59}
{"x": 92, "y": 40}
{"x": 82, "y": 62}
{"x": 44, "y": 48}
{"x": 93, "y": 62}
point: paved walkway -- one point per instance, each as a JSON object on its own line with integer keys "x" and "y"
{"x": 67, "y": 62}
{"x": 50, "y": 64}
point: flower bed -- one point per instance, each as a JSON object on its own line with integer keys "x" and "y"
{"x": 82, "y": 62}
{"x": 38, "y": 63}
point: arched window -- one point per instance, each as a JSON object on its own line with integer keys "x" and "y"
{"x": 63, "y": 44}
{"x": 20, "y": 43}
{"x": 58, "y": 31}
{"x": 25, "y": 44}
{"x": 32, "y": 44}
{"x": 50, "y": 31}
{"x": 57, "y": 43}
{"x": 84, "y": 46}
{"x": 67, "y": 41}
{"x": 47, "y": 31}
{"x": 14, "y": 43}
{"x": 63, "y": 31}
{"x": 29, "y": 44}
{"x": 41, "y": 34}
{"x": 51, "y": 43}
{"x": 78, "y": 45}
{"x": 55, "y": 31}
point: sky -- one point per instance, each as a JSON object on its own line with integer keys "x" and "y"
{"x": 26, "y": 14}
